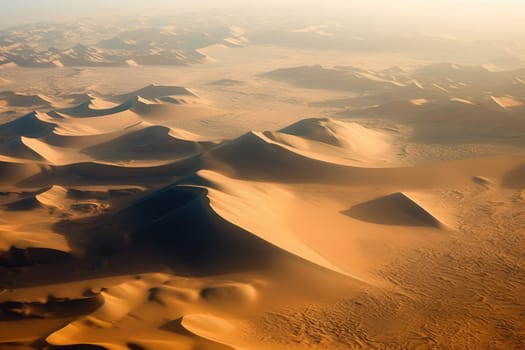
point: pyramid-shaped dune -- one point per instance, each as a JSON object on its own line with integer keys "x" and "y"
{"x": 395, "y": 209}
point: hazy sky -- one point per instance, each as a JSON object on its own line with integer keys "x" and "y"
{"x": 14, "y": 12}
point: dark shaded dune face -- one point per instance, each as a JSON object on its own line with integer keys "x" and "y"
{"x": 152, "y": 92}
{"x": 11, "y": 173}
{"x": 127, "y": 192}
{"x": 29, "y": 126}
{"x": 254, "y": 158}
{"x": 457, "y": 120}
{"x": 78, "y": 141}
{"x": 150, "y": 143}
{"x": 448, "y": 120}
{"x": 85, "y": 110}
{"x": 395, "y": 209}
{"x": 70, "y": 347}
{"x": 175, "y": 326}
{"x": 193, "y": 238}
{"x": 229, "y": 294}
{"x": 172, "y": 100}
{"x": 20, "y": 100}
{"x": 78, "y": 98}
{"x": 16, "y": 257}
{"x": 12, "y": 311}
{"x": 25, "y": 204}
{"x": 80, "y": 194}
{"x": 318, "y": 77}
{"x": 177, "y": 227}
{"x": 483, "y": 181}
{"x": 515, "y": 178}
{"x": 81, "y": 174}
{"x": 17, "y": 149}
{"x": 226, "y": 82}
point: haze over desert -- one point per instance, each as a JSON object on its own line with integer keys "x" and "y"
{"x": 216, "y": 175}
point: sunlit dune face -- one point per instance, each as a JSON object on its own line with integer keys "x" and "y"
{"x": 507, "y": 102}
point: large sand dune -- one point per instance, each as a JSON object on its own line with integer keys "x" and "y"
{"x": 121, "y": 230}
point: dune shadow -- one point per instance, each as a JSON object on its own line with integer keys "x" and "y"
{"x": 515, "y": 178}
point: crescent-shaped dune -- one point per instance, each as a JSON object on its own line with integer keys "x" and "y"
{"x": 94, "y": 107}
{"x": 34, "y": 124}
{"x": 155, "y": 91}
{"x": 15, "y": 99}
{"x": 56, "y": 196}
{"x": 147, "y": 143}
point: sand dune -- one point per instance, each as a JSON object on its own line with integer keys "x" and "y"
{"x": 72, "y": 140}
{"x": 310, "y": 149}
{"x": 395, "y": 209}
{"x": 141, "y": 101}
{"x": 295, "y": 157}
{"x": 79, "y": 98}
{"x": 121, "y": 231}
{"x": 16, "y": 99}
{"x": 53, "y": 154}
{"x": 13, "y": 172}
{"x": 33, "y": 124}
{"x": 168, "y": 109}
{"x": 450, "y": 119}
{"x": 363, "y": 145}
{"x": 56, "y": 196}
{"x": 17, "y": 148}
{"x": 94, "y": 107}
{"x": 226, "y": 82}
{"x": 339, "y": 78}
{"x": 248, "y": 155}
{"x": 153, "y": 91}
{"x": 83, "y": 133}
{"x": 249, "y": 200}
{"x": 126, "y": 298}
{"x": 96, "y": 125}
{"x": 153, "y": 142}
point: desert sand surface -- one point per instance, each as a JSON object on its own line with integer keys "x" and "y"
{"x": 257, "y": 189}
